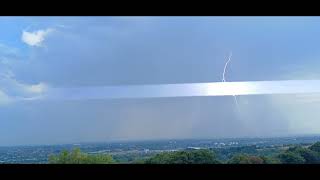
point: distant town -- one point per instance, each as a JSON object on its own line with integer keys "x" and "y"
{"x": 126, "y": 152}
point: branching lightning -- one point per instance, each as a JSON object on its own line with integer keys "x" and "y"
{"x": 224, "y": 79}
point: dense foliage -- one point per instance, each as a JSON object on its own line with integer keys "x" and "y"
{"x": 315, "y": 147}
{"x": 78, "y": 157}
{"x": 300, "y": 155}
{"x": 246, "y": 155}
{"x": 227, "y": 153}
{"x": 246, "y": 159}
{"x": 297, "y": 154}
{"x": 184, "y": 157}
{"x": 291, "y": 158}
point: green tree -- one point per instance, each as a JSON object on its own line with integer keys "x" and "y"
{"x": 310, "y": 156}
{"x": 184, "y": 157}
{"x": 78, "y": 157}
{"x": 290, "y": 157}
{"x": 270, "y": 160}
{"x": 245, "y": 159}
{"x": 315, "y": 147}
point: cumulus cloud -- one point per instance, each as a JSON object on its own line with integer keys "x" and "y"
{"x": 35, "y": 38}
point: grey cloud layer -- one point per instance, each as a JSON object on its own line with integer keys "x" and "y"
{"x": 105, "y": 51}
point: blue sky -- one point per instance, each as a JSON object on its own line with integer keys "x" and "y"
{"x": 37, "y": 53}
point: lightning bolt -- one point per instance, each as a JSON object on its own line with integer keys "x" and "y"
{"x": 225, "y": 67}
{"x": 224, "y": 79}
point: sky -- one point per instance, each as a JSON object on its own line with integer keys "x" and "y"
{"x": 38, "y": 54}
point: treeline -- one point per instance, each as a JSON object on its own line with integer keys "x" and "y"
{"x": 293, "y": 155}
{"x": 78, "y": 157}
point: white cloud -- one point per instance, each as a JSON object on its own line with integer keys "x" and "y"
{"x": 35, "y": 38}
{"x": 12, "y": 89}
{"x": 37, "y": 88}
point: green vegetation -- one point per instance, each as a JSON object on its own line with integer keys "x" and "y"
{"x": 300, "y": 155}
{"x": 270, "y": 160}
{"x": 78, "y": 157}
{"x": 240, "y": 155}
{"x": 315, "y": 147}
{"x": 227, "y": 153}
{"x": 291, "y": 158}
{"x": 246, "y": 159}
{"x": 132, "y": 158}
{"x": 184, "y": 157}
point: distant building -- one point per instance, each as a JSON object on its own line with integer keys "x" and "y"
{"x": 146, "y": 150}
{"x": 194, "y": 148}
